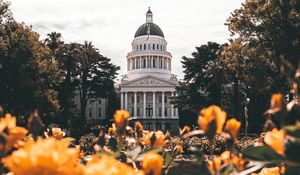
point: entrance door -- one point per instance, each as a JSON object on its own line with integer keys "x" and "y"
{"x": 149, "y": 112}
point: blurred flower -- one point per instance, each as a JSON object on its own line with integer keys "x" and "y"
{"x": 238, "y": 162}
{"x": 212, "y": 114}
{"x": 105, "y": 165}
{"x": 44, "y": 157}
{"x": 112, "y": 130}
{"x": 178, "y": 149}
{"x": 185, "y": 130}
{"x": 276, "y": 101}
{"x": 214, "y": 165}
{"x": 233, "y": 127}
{"x": 139, "y": 125}
{"x": 121, "y": 117}
{"x": 155, "y": 139}
{"x": 275, "y": 139}
{"x": 152, "y": 163}
{"x": 58, "y": 133}
{"x": 269, "y": 171}
{"x": 10, "y": 133}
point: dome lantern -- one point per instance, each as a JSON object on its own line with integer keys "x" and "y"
{"x": 149, "y": 16}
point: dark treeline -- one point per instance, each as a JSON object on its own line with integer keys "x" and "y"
{"x": 253, "y": 64}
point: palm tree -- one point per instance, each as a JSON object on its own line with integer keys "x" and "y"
{"x": 54, "y": 41}
{"x": 89, "y": 55}
{"x": 68, "y": 56}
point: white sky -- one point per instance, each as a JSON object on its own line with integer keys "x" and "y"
{"x": 111, "y": 24}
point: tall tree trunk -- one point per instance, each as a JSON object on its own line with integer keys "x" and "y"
{"x": 83, "y": 98}
{"x": 236, "y": 94}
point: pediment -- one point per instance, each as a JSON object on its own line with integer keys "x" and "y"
{"x": 149, "y": 81}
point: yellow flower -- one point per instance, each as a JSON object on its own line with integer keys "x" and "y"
{"x": 214, "y": 165}
{"x": 155, "y": 139}
{"x": 121, "y": 117}
{"x": 10, "y": 132}
{"x": 185, "y": 130}
{"x": 178, "y": 149}
{"x": 106, "y": 165}
{"x": 276, "y": 101}
{"x": 57, "y": 133}
{"x": 212, "y": 114}
{"x": 111, "y": 130}
{"x": 152, "y": 163}
{"x": 269, "y": 171}
{"x": 44, "y": 157}
{"x": 233, "y": 127}
{"x": 238, "y": 162}
{"x": 275, "y": 139}
{"x": 139, "y": 125}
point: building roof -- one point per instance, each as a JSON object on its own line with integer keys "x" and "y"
{"x": 154, "y": 30}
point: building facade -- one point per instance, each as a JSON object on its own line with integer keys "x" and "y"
{"x": 149, "y": 84}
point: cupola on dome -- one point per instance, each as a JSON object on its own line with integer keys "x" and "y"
{"x": 149, "y": 28}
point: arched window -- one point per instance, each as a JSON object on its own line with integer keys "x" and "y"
{"x": 133, "y": 63}
{"x": 140, "y": 47}
{"x": 161, "y": 47}
{"x": 145, "y": 47}
{"x": 153, "y": 47}
{"x": 144, "y": 66}
{"x": 154, "y": 62}
{"x": 157, "y": 47}
{"x": 137, "y": 47}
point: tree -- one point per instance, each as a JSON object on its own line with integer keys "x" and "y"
{"x": 202, "y": 80}
{"x": 95, "y": 78}
{"x": 273, "y": 25}
{"x": 54, "y": 41}
{"x": 26, "y": 78}
{"x": 68, "y": 56}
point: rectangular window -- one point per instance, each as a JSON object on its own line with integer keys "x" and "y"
{"x": 138, "y": 111}
{"x": 90, "y": 112}
{"x": 160, "y": 99}
{"x": 153, "y": 47}
{"x": 159, "y": 111}
{"x": 99, "y": 112}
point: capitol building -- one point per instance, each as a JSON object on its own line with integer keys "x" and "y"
{"x": 149, "y": 84}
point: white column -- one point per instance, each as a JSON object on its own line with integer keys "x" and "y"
{"x": 126, "y": 102}
{"x": 122, "y": 100}
{"x": 163, "y": 104}
{"x": 140, "y": 62}
{"x": 144, "y": 106}
{"x": 153, "y": 104}
{"x": 172, "y": 107}
{"x": 176, "y": 109}
{"x": 135, "y": 104}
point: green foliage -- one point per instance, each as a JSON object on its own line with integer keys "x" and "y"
{"x": 27, "y": 78}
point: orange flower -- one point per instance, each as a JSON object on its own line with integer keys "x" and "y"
{"x": 276, "y": 101}
{"x": 185, "y": 130}
{"x": 152, "y": 163}
{"x": 275, "y": 139}
{"x": 269, "y": 171}
{"x": 106, "y": 165}
{"x": 44, "y": 157}
{"x": 139, "y": 125}
{"x": 178, "y": 149}
{"x": 214, "y": 165}
{"x": 111, "y": 130}
{"x": 239, "y": 162}
{"x": 57, "y": 133}
{"x": 121, "y": 117}
{"x": 10, "y": 132}
{"x": 155, "y": 139}
{"x": 233, "y": 127}
{"x": 212, "y": 114}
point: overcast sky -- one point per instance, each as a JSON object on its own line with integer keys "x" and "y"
{"x": 111, "y": 24}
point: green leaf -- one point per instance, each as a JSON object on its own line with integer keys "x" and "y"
{"x": 262, "y": 153}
